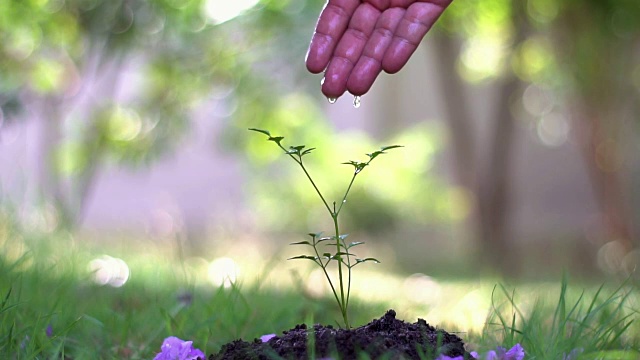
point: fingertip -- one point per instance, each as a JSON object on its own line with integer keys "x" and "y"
{"x": 396, "y": 57}
{"x": 332, "y": 89}
{"x": 363, "y": 76}
{"x": 314, "y": 67}
{"x": 358, "y": 88}
{"x": 318, "y": 54}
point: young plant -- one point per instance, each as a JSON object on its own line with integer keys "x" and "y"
{"x": 343, "y": 257}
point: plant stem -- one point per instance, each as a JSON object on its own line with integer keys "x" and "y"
{"x": 344, "y": 201}
{"x": 324, "y": 269}
{"x": 342, "y": 303}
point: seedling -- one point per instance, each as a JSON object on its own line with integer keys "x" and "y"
{"x": 344, "y": 259}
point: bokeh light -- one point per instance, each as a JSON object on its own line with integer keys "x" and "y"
{"x": 553, "y": 130}
{"x": 223, "y": 271}
{"x": 220, "y": 11}
{"x": 107, "y": 270}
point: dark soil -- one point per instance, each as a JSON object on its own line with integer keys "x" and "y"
{"x": 387, "y": 336}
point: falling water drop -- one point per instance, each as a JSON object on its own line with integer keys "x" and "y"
{"x": 356, "y": 102}
{"x": 331, "y": 100}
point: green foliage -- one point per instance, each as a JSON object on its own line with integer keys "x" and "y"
{"x": 342, "y": 255}
{"x": 596, "y": 326}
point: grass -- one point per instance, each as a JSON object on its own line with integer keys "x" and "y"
{"x": 51, "y": 308}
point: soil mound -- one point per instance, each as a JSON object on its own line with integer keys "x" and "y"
{"x": 386, "y": 336}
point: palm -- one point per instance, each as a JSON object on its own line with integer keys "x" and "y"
{"x": 355, "y": 40}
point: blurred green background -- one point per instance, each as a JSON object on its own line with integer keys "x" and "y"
{"x": 123, "y": 122}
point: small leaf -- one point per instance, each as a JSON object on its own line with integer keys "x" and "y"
{"x": 301, "y": 243}
{"x": 307, "y": 151}
{"x": 344, "y": 253}
{"x": 355, "y": 243}
{"x": 261, "y": 131}
{"x": 385, "y": 148}
{"x": 297, "y": 148}
{"x": 327, "y": 255}
{"x": 276, "y": 139}
{"x": 306, "y": 257}
{"x": 318, "y": 234}
{"x": 326, "y": 238}
{"x": 382, "y": 150}
{"x": 359, "y": 261}
{"x": 356, "y": 164}
{"x": 335, "y": 244}
{"x": 343, "y": 236}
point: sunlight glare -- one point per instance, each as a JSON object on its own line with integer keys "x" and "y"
{"x": 110, "y": 271}
{"x": 220, "y": 11}
{"x": 422, "y": 289}
{"x": 473, "y": 310}
{"x": 482, "y": 58}
{"x": 223, "y": 271}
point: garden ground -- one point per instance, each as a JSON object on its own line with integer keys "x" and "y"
{"x": 62, "y": 298}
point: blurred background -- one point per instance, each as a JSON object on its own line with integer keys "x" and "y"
{"x": 124, "y": 123}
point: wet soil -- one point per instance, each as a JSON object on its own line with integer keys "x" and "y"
{"x": 384, "y": 338}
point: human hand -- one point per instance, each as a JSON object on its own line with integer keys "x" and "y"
{"x": 356, "y": 39}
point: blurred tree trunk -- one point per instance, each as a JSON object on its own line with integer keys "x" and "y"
{"x": 487, "y": 171}
{"x": 601, "y": 153}
{"x": 69, "y": 193}
{"x": 598, "y": 55}
{"x": 459, "y": 120}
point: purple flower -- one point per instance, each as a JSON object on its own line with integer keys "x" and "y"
{"x": 515, "y": 353}
{"x": 49, "y": 331}
{"x": 500, "y": 353}
{"x": 573, "y": 354}
{"x": 267, "y": 337}
{"x": 176, "y": 349}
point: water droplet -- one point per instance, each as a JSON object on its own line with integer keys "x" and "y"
{"x": 322, "y": 81}
{"x": 332, "y": 100}
{"x": 356, "y": 102}
{"x": 344, "y": 201}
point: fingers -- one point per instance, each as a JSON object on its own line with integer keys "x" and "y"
{"x": 414, "y": 25}
{"x": 369, "y": 65}
{"x": 349, "y": 50}
{"x": 331, "y": 25}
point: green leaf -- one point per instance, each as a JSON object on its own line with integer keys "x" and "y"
{"x": 343, "y": 236}
{"x": 335, "y": 244}
{"x": 318, "y": 234}
{"x": 297, "y": 148}
{"x": 261, "y": 131}
{"x": 344, "y": 253}
{"x": 307, "y": 151}
{"x": 355, "y": 243}
{"x": 301, "y": 243}
{"x": 359, "y": 261}
{"x": 305, "y": 257}
{"x": 382, "y": 150}
{"x": 326, "y": 238}
{"x": 276, "y": 139}
{"x": 385, "y": 148}
{"x": 357, "y": 165}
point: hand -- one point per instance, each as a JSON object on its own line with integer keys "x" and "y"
{"x": 356, "y": 39}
